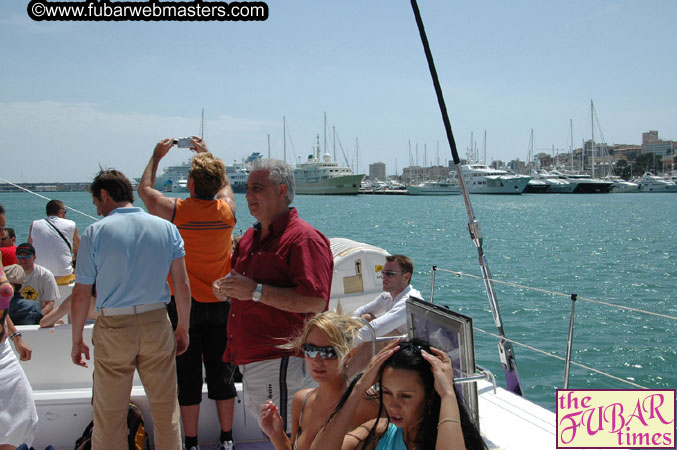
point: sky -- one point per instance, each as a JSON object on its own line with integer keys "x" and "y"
{"x": 76, "y": 96}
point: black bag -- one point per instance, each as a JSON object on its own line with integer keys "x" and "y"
{"x": 137, "y": 438}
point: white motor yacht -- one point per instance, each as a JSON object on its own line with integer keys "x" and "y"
{"x": 620, "y": 185}
{"x": 653, "y": 183}
{"x": 482, "y": 179}
{"x": 434, "y": 188}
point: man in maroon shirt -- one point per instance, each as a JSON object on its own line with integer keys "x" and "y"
{"x": 282, "y": 271}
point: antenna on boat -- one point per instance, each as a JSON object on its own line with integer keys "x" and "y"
{"x": 504, "y": 347}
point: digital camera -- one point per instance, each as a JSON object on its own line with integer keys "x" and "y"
{"x": 183, "y": 142}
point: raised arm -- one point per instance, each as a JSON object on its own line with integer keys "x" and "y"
{"x": 226, "y": 192}
{"x": 449, "y": 431}
{"x": 155, "y": 201}
{"x": 334, "y": 435}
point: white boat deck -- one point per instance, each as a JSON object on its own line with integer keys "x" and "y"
{"x": 63, "y": 399}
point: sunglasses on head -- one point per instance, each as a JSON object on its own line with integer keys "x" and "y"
{"x": 325, "y": 352}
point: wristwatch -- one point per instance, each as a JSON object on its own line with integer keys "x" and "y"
{"x": 256, "y": 294}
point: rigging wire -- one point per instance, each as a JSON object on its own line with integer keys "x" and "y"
{"x": 560, "y": 358}
{"x": 47, "y": 198}
{"x": 545, "y": 291}
{"x": 505, "y": 349}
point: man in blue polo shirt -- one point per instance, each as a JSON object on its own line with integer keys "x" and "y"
{"x": 129, "y": 254}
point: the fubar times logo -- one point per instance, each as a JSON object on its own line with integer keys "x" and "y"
{"x": 622, "y": 418}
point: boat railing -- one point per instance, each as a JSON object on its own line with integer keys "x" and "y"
{"x": 573, "y": 297}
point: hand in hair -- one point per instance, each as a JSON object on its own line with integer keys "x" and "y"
{"x": 371, "y": 373}
{"x": 442, "y": 370}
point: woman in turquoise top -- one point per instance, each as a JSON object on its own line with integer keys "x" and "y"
{"x": 417, "y": 393}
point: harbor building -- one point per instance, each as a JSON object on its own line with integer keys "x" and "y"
{"x": 377, "y": 170}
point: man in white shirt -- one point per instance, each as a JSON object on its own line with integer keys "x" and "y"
{"x": 386, "y": 313}
{"x": 39, "y": 283}
{"x": 56, "y": 242}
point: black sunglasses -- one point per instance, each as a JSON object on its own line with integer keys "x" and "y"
{"x": 390, "y": 273}
{"x": 325, "y": 352}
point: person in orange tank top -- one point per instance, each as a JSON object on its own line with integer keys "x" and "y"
{"x": 205, "y": 220}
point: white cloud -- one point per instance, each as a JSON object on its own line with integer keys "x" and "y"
{"x": 57, "y": 141}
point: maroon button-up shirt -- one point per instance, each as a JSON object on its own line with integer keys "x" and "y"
{"x": 293, "y": 255}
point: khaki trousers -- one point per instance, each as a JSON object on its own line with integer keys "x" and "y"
{"x": 144, "y": 342}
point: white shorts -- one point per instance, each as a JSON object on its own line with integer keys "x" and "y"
{"x": 272, "y": 379}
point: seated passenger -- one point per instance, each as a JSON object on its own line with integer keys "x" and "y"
{"x": 39, "y": 283}
{"x": 22, "y": 311}
{"x": 418, "y": 395}
{"x": 327, "y": 342}
{"x": 390, "y": 306}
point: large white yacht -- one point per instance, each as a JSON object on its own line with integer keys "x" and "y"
{"x": 325, "y": 177}
{"x": 434, "y": 188}
{"x": 173, "y": 178}
{"x": 620, "y": 185}
{"x": 653, "y": 183}
{"x": 482, "y": 179}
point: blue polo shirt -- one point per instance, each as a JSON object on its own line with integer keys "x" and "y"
{"x": 128, "y": 254}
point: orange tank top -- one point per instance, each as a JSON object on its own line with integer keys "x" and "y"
{"x": 206, "y": 227}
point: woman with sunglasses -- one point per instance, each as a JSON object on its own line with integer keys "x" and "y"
{"x": 417, "y": 393}
{"x": 327, "y": 344}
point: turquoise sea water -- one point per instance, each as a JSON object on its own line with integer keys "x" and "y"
{"x": 620, "y": 248}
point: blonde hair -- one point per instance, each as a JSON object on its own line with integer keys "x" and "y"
{"x": 208, "y": 174}
{"x": 341, "y": 330}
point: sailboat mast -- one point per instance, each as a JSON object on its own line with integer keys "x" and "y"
{"x": 333, "y": 131}
{"x": 202, "y": 124}
{"x": 592, "y": 144}
{"x": 284, "y": 138}
{"x": 325, "y": 134}
{"x": 571, "y": 146}
{"x": 484, "y": 156}
{"x": 357, "y": 156}
{"x": 505, "y": 349}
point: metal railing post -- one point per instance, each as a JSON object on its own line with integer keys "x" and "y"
{"x": 570, "y": 342}
{"x": 432, "y": 285}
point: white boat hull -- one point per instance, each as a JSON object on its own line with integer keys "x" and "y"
{"x": 63, "y": 391}
{"x": 343, "y": 185}
{"x": 434, "y": 189}
{"x": 499, "y": 185}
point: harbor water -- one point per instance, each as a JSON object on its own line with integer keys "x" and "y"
{"x": 619, "y": 248}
